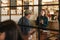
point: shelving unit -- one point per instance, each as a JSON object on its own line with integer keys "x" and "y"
{"x": 5, "y": 10}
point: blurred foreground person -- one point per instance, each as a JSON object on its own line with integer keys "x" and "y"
{"x": 9, "y": 31}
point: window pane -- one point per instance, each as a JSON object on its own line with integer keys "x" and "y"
{"x": 16, "y": 17}
{"x": 5, "y": 17}
{"x": 30, "y": 2}
{"x": 52, "y": 14}
{"x": 13, "y": 11}
{"x": 35, "y": 2}
{"x": 50, "y": 2}
{"x": 19, "y": 10}
{"x": 32, "y": 9}
{"x": 5, "y": 2}
{"x": 5, "y": 11}
{"x": 36, "y": 11}
{"x": 13, "y": 3}
{"x": 19, "y": 2}
{"x": 25, "y": 2}
{"x": 16, "y": 14}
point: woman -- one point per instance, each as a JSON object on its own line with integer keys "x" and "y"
{"x": 42, "y": 22}
{"x": 9, "y": 31}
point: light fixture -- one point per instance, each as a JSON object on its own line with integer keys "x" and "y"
{"x": 30, "y": 3}
{"x": 25, "y": 0}
{"x": 19, "y": 2}
{"x": 19, "y": 8}
{"x": 4, "y": 4}
{"x": 51, "y": 12}
{"x": 6, "y": 8}
{"x": 13, "y": 11}
{"x": 47, "y": 0}
{"x": 30, "y": 8}
{"x": 35, "y": 2}
{"x": 5, "y": 1}
{"x": 4, "y": 11}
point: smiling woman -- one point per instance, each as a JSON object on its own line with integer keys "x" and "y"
{"x": 8, "y": 31}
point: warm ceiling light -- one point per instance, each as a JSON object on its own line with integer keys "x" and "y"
{"x": 51, "y": 12}
{"x": 25, "y": 0}
{"x": 19, "y": 8}
{"x": 47, "y": 0}
{"x": 7, "y": 8}
{"x": 30, "y": 0}
{"x": 19, "y": 2}
{"x": 30, "y": 8}
{"x": 4, "y": 4}
{"x": 30, "y": 3}
{"x": 4, "y": 1}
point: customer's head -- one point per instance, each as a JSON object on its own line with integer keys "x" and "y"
{"x": 8, "y": 30}
{"x": 43, "y": 12}
{"x": 27, "y": 13}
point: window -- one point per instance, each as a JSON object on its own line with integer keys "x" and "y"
{"x": 5, "y": 2}
{"x": 14, "y": 9}
{"x": 5, "y": 10}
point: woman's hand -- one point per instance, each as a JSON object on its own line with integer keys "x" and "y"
{"x": 31, "y": 31}
{"x": 42, "y": 22}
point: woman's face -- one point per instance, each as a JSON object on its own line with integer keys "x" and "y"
{"x": 42, "y": 13}
{"x": 2, "y": 36}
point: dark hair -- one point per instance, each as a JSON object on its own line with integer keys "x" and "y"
{"x": 10, "y": 28}
{"x": 41, "y": 13}
{"x": 43, "y": 10}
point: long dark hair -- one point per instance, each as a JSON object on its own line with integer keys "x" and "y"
{"x": 10, "y": 28}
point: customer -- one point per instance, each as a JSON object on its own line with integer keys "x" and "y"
{"x": 42, "y": 19}
{"x": 9, "y": 31}
{"x": 42, "y": 22}
{"x": 25, "y": 21}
